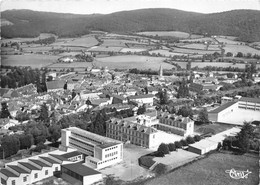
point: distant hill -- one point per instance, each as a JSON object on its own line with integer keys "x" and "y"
{"x": 245, "y": 24}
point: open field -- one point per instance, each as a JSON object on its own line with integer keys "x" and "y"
{"x": 84, "y": 41}
{"x": 211, "y": 171}
{"x": 227, "y": 37}
{"x": 105, "y": 49}
{"x": 129, "y": 169}
{"x": 125, "y": 50}
{"x": 166, "y": 53}
{"x": 201, "y": 46}
{"x": 176, "y": 158}
{"x": 18, "y": 39}
{"x": 133, "y": 61}
{"x": 227, "y": 41}
{"x": 240, "y": 48}
{"x": 78, "y": 66}
{"x": 217, "y": 64}
{"x": 117, "y": 42}
{"x": 204, "y": 39}
{"x": 192, "y": 51}
{"x": 166, "y": 33}
{"x": 202, "y": 129}
{"x": 32, "y": 60}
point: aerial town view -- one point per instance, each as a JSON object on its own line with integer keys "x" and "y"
{"x": 140, "y": 92}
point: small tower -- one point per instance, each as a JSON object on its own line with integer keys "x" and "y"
{"x": 160, "y": 71}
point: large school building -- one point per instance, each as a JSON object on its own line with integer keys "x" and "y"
{"x": 100, "y": 151}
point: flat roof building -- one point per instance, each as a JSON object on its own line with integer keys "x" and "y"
{"x": 100, "y": 151}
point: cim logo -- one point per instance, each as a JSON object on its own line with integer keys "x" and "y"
{"x": 235, "y": 174}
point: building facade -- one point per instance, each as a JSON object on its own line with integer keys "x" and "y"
{"x": 100, "y": 151}
{"x": 178, "y": 125}
{"x": 134, "y": 133}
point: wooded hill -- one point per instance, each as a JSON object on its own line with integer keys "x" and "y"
{"x": 245, "y": 24}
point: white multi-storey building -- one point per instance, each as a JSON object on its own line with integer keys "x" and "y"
{"x": 100, "y": 151}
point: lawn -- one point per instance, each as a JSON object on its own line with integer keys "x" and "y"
{"x": 217, "y": 128}
{"x": 133, "y": 61}
{"x": 176, "y": 158}
{"x": 211, "y": 171}
{"x": 166, "y": 33}
{"x": 33, "y": 60}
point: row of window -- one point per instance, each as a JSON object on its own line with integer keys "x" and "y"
{"x": 72, "y": 174}
{"x": 114, "y": 147}
{"x": 175, "y": 123}
{"x": 77, "y": 146}
{"x": 93, "y": 162}
{"x": 111, "y": 154}
{"x": 93, "y": 140}
{"x": 130, "y": 132}
{"x": 107, "y": 160}
{"x": 79, "y": 141}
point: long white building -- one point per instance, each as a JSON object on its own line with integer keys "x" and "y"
{"x": 100, "y": 151}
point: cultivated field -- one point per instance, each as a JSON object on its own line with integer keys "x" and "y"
{"x": 204, "y": 39}
{"x": 125, "y": 50}
{"x": 240, "y": 48}
{"x": 117, "y": 42}
{"x": 32, "y": 60}
{"x": 166, "y": 53}
{"x": 78, "y": 66}
{"x": 204, "y": 64}
{"x": 105, "y": 49}
{"x": 227, "y": 41}
{"x": 192, "y": 51}
{"x": 84, "y": 41}
{"x": 133, "y": 61}
{"x": 166, "y": 33}
{"x": 212, "y": 171}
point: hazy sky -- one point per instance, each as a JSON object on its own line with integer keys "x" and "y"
{"x": 109, "y": 6}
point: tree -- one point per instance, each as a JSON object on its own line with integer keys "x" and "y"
{"x": 163, "y": 97}
{"x": 183, "y": 90}
{"x": 203, "y": 116}
{"x": 26, "y": 141}
{"x": 172, "y": 147}
{"x": 197, "y": 138}
{"x": 240, "y": 54}
{"x": 55, "y": 133}
{"x": 141, "y": 110}
{"x": 244, "y": 136}
{"x": 184, "y": 142}
{"x": 10, "y": 145}
{"x": 178, "y": 144}
{"x": 185, "y": 111}
{"x": 163, "y": 148}
{"x": 22, "y": 116}
{"x": 190, "y": 140}
{"x": 5, "y": 112}
{"x": 229, "y": 54}
{"x": 44, "y": 115}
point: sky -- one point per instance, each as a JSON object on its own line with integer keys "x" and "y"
{"x": 110, "y": 6}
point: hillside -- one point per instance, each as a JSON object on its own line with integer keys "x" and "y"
{"x": 244, "y": 24}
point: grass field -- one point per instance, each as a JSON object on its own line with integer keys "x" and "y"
{"x": 33, "y": 60}
{"x": 204, "y": 64}
{"x": 203, "y": 129}
{"x": 204, "y": 39}
{"x": 211, "y": 171}
{"x": 116, "y": 42}
{"x": 227, "y": 41}
{"x": 166, "y": 53}
{"x": 240, "y": 48}
{"x": 84, "y": 41}
{"x": 192, "y": 51}
{"x": 125, "y": 50}
{"x": 133, "y": 61}
{"x": 166, "y": 33}
{"x": 78, "y": 66}
{"x": 105, "y": 49}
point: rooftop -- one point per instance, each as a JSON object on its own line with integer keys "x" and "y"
{"x": 40, "y": 163}
{"x": 252, "y": 100}
{"x": 81, "y": 169}
{"x": 222, "y": 107}
{"x": 141, "y": 96}
{"x": 18, "y": 169}
{"x": 29, "y": 166}
{"x": 49, "y": 160}
{"x": 7, "y": 173}
{"x": 71, "y": 154}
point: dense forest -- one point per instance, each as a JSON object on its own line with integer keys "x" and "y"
{"x": 245, "y": 24}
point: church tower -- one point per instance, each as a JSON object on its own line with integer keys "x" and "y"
{"x": 160, "y": 71}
